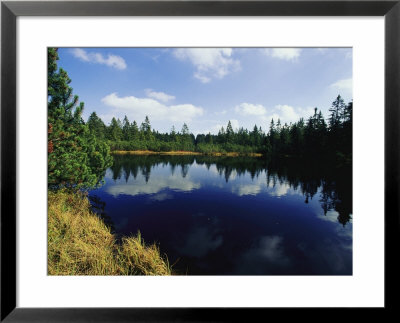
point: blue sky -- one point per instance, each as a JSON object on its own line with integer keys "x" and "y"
{"x": 207, "y": 87}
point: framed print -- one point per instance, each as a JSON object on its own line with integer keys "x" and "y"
{"x": 214, "y": 170}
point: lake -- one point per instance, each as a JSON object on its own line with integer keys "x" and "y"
{"x": 233, "y": 215}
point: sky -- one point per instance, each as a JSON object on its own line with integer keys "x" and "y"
{"x": 207, "y": 87}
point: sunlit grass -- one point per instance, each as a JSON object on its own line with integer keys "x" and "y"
{"x": 79, "y": 243}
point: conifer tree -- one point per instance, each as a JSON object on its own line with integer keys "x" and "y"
{"x": 75, "y": 158}
{"x": 229, "y": 132}
{"x": 115, "y": 130}
{"x": 145, "y": 129}
{"x": 126, "y": 133}
{"x": 96, "y": 126}
{"x": 134, "y": 130}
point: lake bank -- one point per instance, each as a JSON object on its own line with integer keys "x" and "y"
{"x": 79, "y": 243}
{"x": 182, "y": 153}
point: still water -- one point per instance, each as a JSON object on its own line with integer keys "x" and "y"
{"x": 233, "y": 215}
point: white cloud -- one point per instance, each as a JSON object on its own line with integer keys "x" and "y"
{"x": 183, "y": 112}
{"x": 344, "y": 85}
{"x": 261, "y": 186}
{"x": 200, "y": 241}
{"x": 111, "y": 60}
{"x": 331, "y": 216}
{"x": 271, "y": 247}
{"x": 209, "y": 62}
{"x": 137, "y": 108}
{"x": 306, "y": 112}
{"x": 266, "y": 255}
{"x": 81, "y": 54}
{"x": 217, "y": 127}
{"x": 202, "y": 78}
{"x": 161, "y": 96}
{"x": 279, "y": 189}
{"x": 287, "y": 54}
{"x": 287, "y": 113}
{"x": 250, "y": 189}
{"x": 261, "y": 115}
{"x": 284, "y": 112}
{"x": 155, "y": 185}
{"x": 159, "y": 197}
{"x": 235, "y": 124}
{"x": 246, "y": 109}
{"x": 266, "y": 119}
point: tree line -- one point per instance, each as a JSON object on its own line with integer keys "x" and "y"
{"x": 79, "y": 151}
{"x": 312, "y": 136}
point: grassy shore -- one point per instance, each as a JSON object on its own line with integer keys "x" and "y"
{"x": 79, "y": 243}
{"x": 181, "y": 153}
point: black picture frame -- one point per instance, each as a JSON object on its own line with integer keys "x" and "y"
{"x": 10, "y": 10}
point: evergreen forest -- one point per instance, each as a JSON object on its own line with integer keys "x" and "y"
{"x": 79, "y": 152}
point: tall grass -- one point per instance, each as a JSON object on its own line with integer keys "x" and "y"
{"x": 79, "y": 243}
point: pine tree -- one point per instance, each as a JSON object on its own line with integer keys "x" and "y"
{"x": 145, "y": 129}
{"x": 96, "y": 126}
{"x": 173, "y": 134}
{"x": 134, "y": 130}
{"x": 115, "y": 130}
{"x": 75, "y": 158}
{"x": 337, "y": 113}
{"x": 126, "y": 133}
{"x": 185, "y": 129}
{"x": 221, "y": 135}
{"x": 229, "y": 132}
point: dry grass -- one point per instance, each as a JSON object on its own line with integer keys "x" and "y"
{"x": 79, "y": 243}
{"x": 137, "y": 259}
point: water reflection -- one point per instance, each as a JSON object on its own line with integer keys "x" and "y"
{"x": 201, "y": 240}
{"x": 266, "y": 254}
{"x": 276, "y": 178}
{"x": 144, "y": 185}
{"x": 234, "y": 215}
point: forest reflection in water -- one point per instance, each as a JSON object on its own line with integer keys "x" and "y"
{"x": 306, "y": 176}
{"x": 206, "y": 211}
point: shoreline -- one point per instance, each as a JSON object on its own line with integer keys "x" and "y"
{"x": 182, "y": 153}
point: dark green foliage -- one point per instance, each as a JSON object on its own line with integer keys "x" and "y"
{"x": 77, "y": 158}
{"x": 306, "y": 139}
{"x": 315, "y": 134}
{"x": 97, "y": 126}
{"x": 126, "y": 129}
{"x": 114, "y": 130}
{"x": 145, "y": 129}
